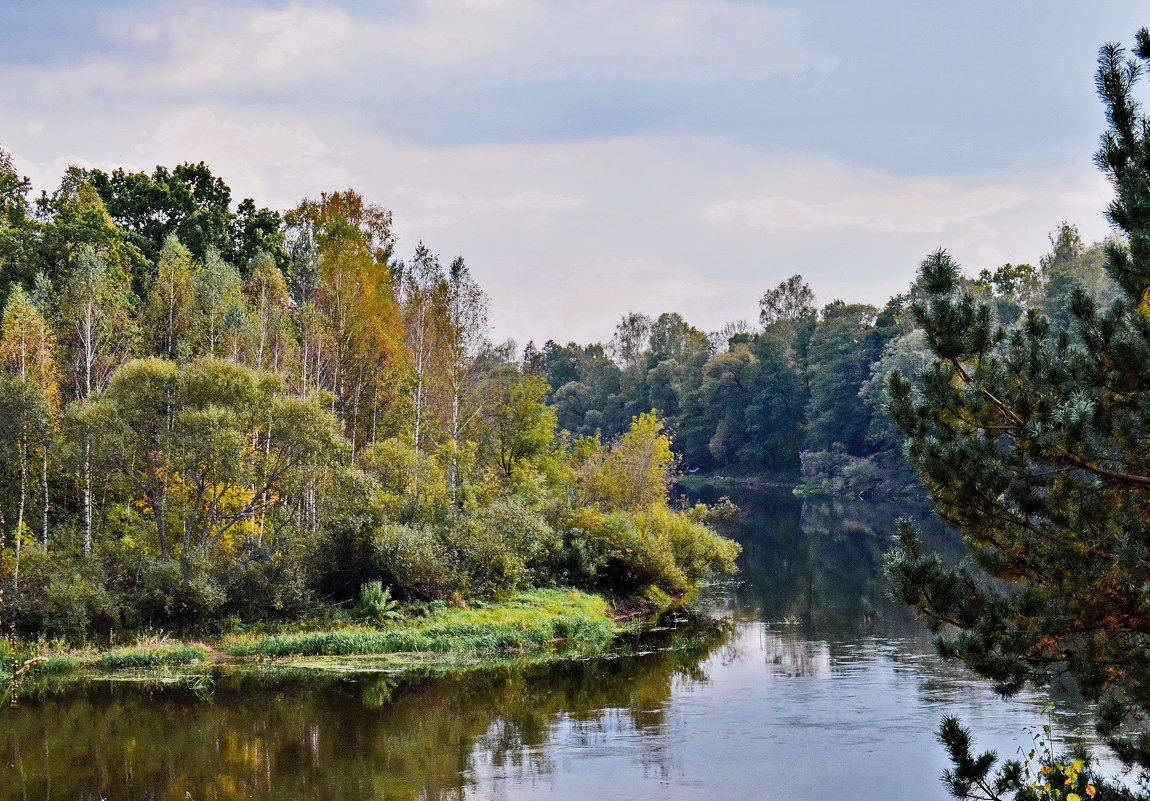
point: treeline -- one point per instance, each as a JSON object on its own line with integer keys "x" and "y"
{"x": 212, "y": 413}
{"x": 801, "y": 396}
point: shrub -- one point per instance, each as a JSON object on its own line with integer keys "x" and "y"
{"x": 626, "y": 552}
{"x": 505, "y": 547}
{"x": 376, "y": 604}
{"x": 415, "y": 563}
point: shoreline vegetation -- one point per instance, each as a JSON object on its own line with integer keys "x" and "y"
{"x": 216, "y": 416}
{"x": 538, "y": 625}
{"x": 218, "y": 420}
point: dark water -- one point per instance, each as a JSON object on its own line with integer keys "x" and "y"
{"x": 811, "y": 686}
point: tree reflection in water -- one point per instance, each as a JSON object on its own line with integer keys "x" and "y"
{"x": 813, "y": 568}
{"x": 816, "y": 661}
{"x": 364, "y": 737}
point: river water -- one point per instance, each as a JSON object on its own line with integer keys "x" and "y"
{"x": 798, "y": 681}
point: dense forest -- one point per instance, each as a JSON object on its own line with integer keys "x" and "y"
{"x": 213, "y": 413}
{"x": 801, "y": 396}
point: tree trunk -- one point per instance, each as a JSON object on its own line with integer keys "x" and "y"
{"x": 23, "y": 459}
{"x": 87, "y": 479}
{"x": 44, "y": 488}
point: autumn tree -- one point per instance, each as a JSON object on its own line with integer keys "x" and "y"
{"x": 26, "y": 356}
{"x": 636, "y": 472}
{"x": 270, "y": 303}
{"x": 357, "y": 352}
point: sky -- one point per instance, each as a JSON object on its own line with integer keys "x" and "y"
{"x": 594, "y": 157}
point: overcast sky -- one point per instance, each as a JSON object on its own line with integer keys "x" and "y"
{"x": 591, "y": 157}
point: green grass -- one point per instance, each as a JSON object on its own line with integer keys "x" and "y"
{"x": 152, "y": 657}
{"x": 529, "y": 621}
{"x": 59, "y": 664}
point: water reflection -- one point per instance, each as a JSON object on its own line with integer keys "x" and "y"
{"x": 817, "y": 563}
{"x": 363, "y": 738}
{"x": 815, "y": 687}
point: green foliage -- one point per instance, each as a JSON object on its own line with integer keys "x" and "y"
{"x": 199, "y": 432}
{"x": 1032, "y": 442}
{"x": 376, "y": 604}
{"x": 520, "y": 424}
{"x": 417, "y": 562}
{"x": 503, "y": 547}
{"x": 636, "y": 472}
{"x": 191, "y": 203}
{"x": 1041, "y": 774}
{"x": 627, "y": 552}
{"x": 152, "y": 657}
{"x": 841, "y": 352}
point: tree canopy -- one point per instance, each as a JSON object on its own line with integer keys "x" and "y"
{"x": 212, "y": 412}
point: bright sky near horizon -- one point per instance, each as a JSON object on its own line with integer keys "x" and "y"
{"x": 592, "y": 157}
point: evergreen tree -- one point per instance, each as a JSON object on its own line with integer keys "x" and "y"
{"x": 1033, "y": 443}
{"x": 18, "y": 229}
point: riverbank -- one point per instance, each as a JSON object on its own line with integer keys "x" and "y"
{"x": 696, "y": 482}
{"x": 537, "y": 625}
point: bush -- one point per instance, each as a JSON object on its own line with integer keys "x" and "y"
{"x": 505, "y": 547}
{"x": 627, "y": 552}
{"x": 414, "y": 562}
{"x": 60, "y": 597}
{"x": 376, "y": 604}
{"x": 266, "y": 584}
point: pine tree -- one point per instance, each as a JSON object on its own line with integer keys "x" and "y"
{"x": 1033, "y": 444}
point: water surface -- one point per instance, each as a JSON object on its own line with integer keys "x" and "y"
{"x": 811, "y": 685}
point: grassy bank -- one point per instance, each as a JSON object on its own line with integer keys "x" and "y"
{"x": 528, "y": 621}
{"x": 539, "y": 624}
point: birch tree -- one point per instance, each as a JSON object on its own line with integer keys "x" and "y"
{"x": 170, "y": 312}
{"x": 97, "y": 332}
{"x": 465, "y": 338}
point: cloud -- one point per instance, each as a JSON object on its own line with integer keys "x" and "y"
{"x": 588, "y": 158}
{"x": 567, "y": 237}
{"x": 926, "y": 210}
{"x": 444, "y": 71}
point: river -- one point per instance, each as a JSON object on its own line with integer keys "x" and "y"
{"x": 799, "y": 680}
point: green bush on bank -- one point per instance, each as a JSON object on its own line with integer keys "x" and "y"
{"x": 626, "y": 552}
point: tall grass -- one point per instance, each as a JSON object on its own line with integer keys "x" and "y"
{"x": 528, "y": 621}
{"x": 152, "y": 657}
